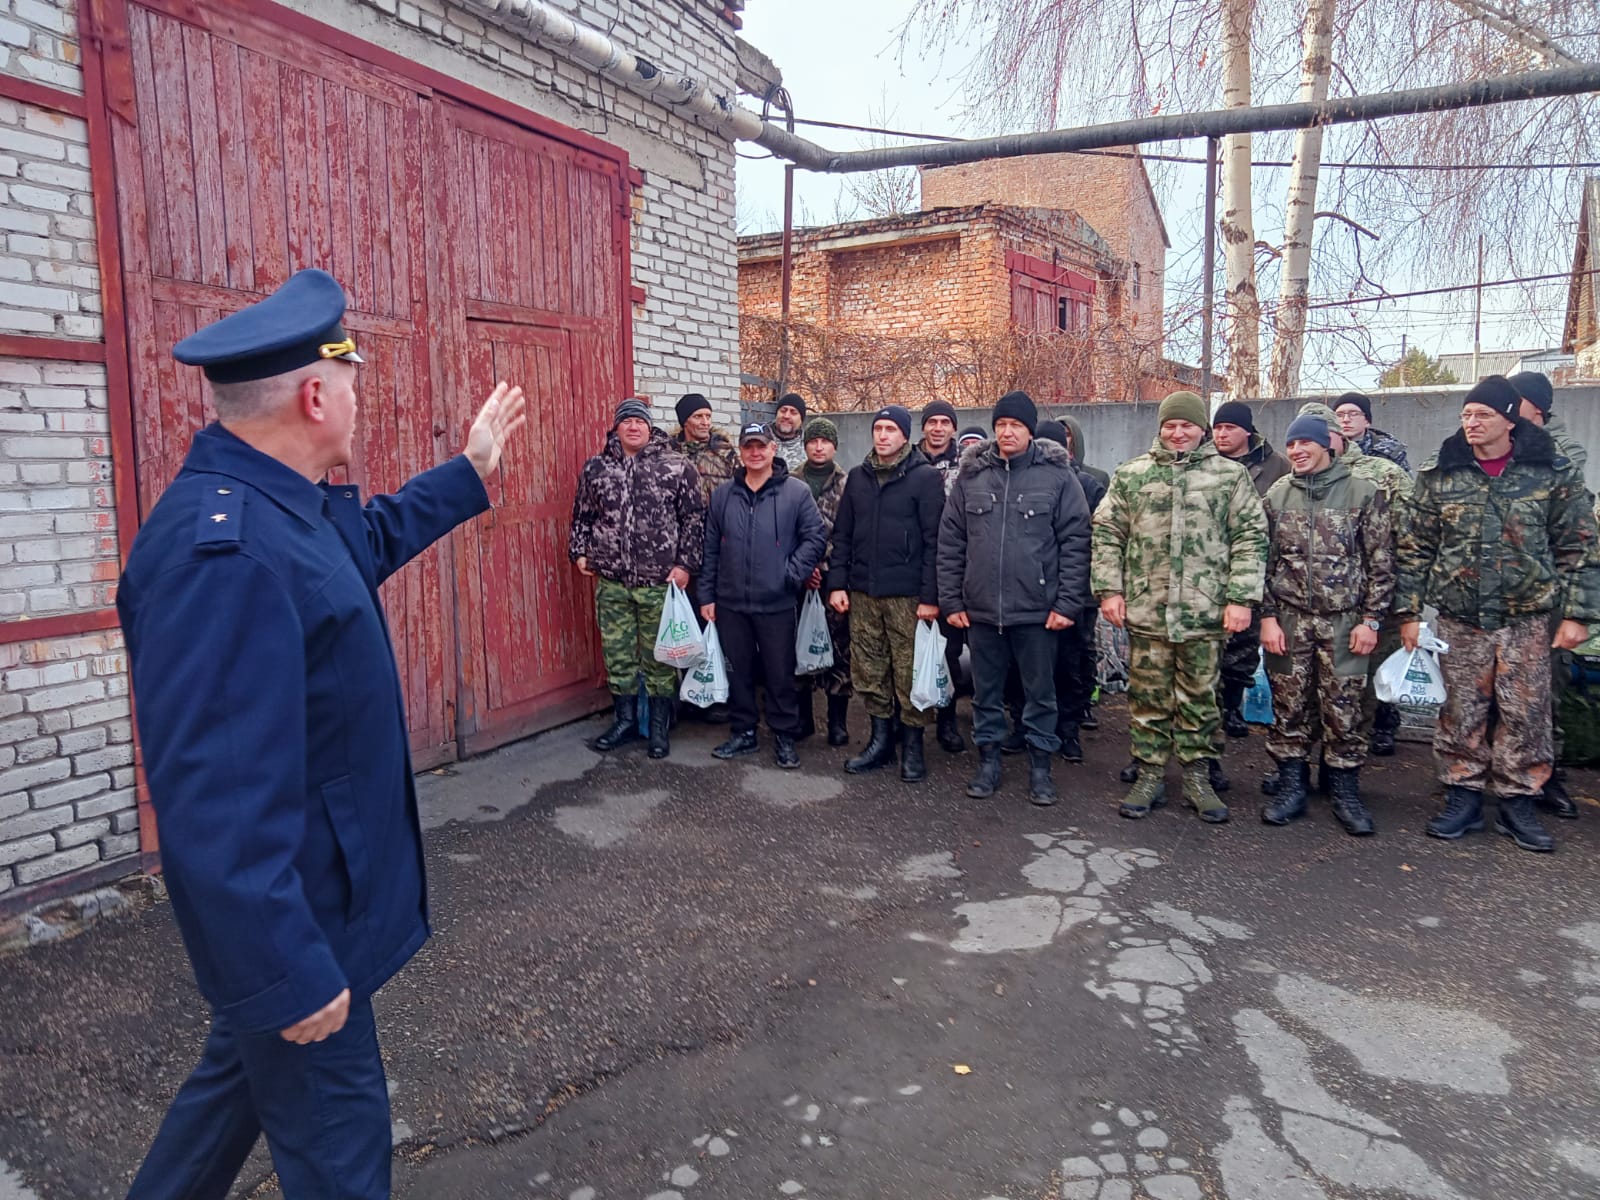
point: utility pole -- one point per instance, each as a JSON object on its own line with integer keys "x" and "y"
{"x": 1402, "y": 360}
{"x": 1477, "y": 315}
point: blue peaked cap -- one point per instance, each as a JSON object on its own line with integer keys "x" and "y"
{"x": 299, "y": 324}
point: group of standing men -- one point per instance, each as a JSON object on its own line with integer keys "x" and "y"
{"x": 987, "y": 538}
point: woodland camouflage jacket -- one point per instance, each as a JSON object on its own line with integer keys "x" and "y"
{"x": 636, "y": 518}
{"x": 1332, "y": 549}
{"x": 1179, "y": 536}
{"x": 715, "y": 459}
{"x": 1489, "y": 550}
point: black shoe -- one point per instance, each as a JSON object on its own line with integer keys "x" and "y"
{"x": 1347, "y": 805}
{"x": 1382, "y": 743}
{"x": 1463, "y": 814}
{"x": 912, "y": 767}
{"x": 715, "y": 714}
{"x": 1016, "y": 741}
{"x": 1071, "y": 747}
{"x": 1556, "y": 800}
{"x": 1269, "y": 783}
{"x": 1088, "y": 720}
{"x": 1041, "y": 788}
{"x": 808, "y": 716}
{"x": 738, "y": 745}
{"x": 624, "y": 724}
{"x": 987, "y": 779}
{"x": 1517, "y": 819}
{"x": 1234, "y": 725}
{"x": 783, "y": 751}
{"x": 838, "y": 730}
{"x": 1385, "y": 724}
{"x": 949, "y": 731}
{"x": 879, "y": 751}
{"x": 1130, "y": 773}
{"x": 1219, "y": 781}
{"x": 660, "y": 724}
{"x": 1289, "y": 792}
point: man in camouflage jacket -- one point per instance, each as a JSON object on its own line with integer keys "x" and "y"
{"x": 1501, "y": 540}
{"x": 709, "y": 450}
{"x": 1180, "y": 548}
{"x": 1330, "y": 578}
{"x": 1355, "y": 421}
{"x": 826, "y": 480}
{"x": 638, "y": 523}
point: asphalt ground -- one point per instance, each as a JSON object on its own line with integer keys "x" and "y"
{"x": 692, "y": 979}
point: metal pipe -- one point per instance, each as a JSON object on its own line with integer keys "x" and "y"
{"x": 1208, "y": 302}
{"x": 1498, "y": 89}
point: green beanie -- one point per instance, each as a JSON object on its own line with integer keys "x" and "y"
{"x": 1313, "y": 409}
{"x": 821, "y": 427}
{"x": 1184, "y": 406}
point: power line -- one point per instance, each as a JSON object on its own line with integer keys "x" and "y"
{"x": 1194, "y": 161}
{"x": 1440, "y": 291}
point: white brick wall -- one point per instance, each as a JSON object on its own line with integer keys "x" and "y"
{"x": 39, "y": 41}
{"x": 66, "y": 758}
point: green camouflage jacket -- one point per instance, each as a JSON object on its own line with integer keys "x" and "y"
{"x": 716, "y": 459}
{"x": 1179, "y": 536}
{"x": 1489, "y": 551}
{"x": 1332, "y": 549}
{"x": 827, "y": 490}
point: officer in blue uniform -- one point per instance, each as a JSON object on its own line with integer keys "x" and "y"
{"x": 274, "y": 740}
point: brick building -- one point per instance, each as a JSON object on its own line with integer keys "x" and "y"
{"x": 492, "y": 209}
{"x": 1043, "y": 272}
{"x": 1581, "y": 332}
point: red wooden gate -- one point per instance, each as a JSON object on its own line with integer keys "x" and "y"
{"x": 256, "y": 142}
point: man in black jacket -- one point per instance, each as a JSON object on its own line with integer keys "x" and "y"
{"x": 764, "y": 537}
{"x": 1014, "y": 571}
{"x": 885, "y": 542}
{"x": 1075, "y": 656}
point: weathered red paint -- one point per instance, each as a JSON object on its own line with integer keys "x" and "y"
{"x": 66, "y": 625}
{"x": 42, "y": 95}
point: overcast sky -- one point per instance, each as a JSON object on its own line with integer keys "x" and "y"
{"x": 842, "y": 61}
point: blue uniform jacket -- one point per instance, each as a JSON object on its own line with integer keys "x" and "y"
{"x": 272, "y": 724}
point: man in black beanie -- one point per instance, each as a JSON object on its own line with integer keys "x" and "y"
{"x": 710, "y": 450}
{"x": 1538, "y": 398}
{"x": 938, "y": 446}
{"x": 1500, "y": 538}
{"x": 1014, "y": 572}
{"x": 787, "y": 423}
{"x": 1233, "y": 429}
{"x": 1354, "y": 411}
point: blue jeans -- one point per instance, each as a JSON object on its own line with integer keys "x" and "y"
{"x": 324, "y": 1109}
{"x": 1033, "y": 649}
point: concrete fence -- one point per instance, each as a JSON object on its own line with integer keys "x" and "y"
{"x": 1114, "y": 433}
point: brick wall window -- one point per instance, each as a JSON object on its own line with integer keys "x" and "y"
{"x": 1136, "y": 281}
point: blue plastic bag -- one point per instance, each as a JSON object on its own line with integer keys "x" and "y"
{"x": 1258, "y": 699}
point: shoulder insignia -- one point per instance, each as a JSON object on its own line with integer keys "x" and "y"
{"x": 219, "y": 518}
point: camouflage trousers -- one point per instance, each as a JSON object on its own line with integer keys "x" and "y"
{"x": 835, "y": 681}
{"x": 1560, "y": 680}
{"x": 1494, "y": 728}
{"x": 1172, "y": 698}
{"x": 628, "y": 619}
{"x": 883, "y": 637}
{"x": 1311, "y": 699}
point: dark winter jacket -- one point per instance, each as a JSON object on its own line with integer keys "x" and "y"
{"x": 1080, "y": 457}
{"x": 1384, "y": 445}
{"x": 1014, "y": 540}
{"x": 1489, "y": 551}
{"x": 761, "y": 546}
{"x": 886, "y": 537}
{"x": 1266, "y": 465}
{"x": 636, "y": 518}
{"x": 947, "y": 464}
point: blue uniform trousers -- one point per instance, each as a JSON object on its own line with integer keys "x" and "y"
{"x": 324, "y": 1109}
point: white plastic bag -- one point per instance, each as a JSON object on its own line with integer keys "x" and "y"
{"x": 707, "y": 681}
{"x": 813, "y": 644}
{"x": 1413, "y": 677}
{"x": 930, "y": 677}
{"x": 678, "y": 639}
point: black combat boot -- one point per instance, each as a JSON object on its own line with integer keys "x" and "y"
{"x": 1385, "y": 723}
{"x": 1289, "y": 793}
{"x": 1519, "y": 822}
{"x": 1556, "y": 800}
{"x": 1214, "y": 774}
{"x": 1233, "y": 722}
{"x": 738, "y": 745}
{"x": 1322, "y": 776}
{"x": 1269, "y": 783}
{"x": 838, "y": 730}
{"x": 879, "y": 751}
{"x": 1463, "y": 814}
{"x": 660, "y": 724}
{"x": 912, "y": 766}
{"x": 1041, "y": 788}
{"x": 987, "y": 779}
{"x": 1129, "y": 773}
{"x": 949, "y": 730}
{"x": 1347, "y": 805}
{"x": 808, "y": 714}
{"x": 1071, "y": 747}
{"x": 783, "y": 751}
{"x": 624, "y": 724}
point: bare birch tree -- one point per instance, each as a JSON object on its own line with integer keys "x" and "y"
{"x": 1237, "y": 226}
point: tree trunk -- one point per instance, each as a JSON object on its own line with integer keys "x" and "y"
{"x": 1294, "y": 286}
{"x": 1238, "y": 223}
